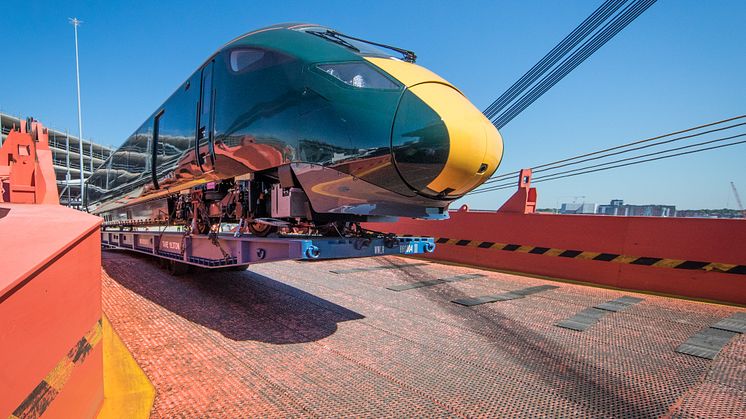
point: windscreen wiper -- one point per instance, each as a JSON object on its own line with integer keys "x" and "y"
{"x": 409, "y": 56}
{"x": 338, "y": 37}
{"x": 329, "y": 36}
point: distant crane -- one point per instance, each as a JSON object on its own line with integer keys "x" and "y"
{"x": 738, "y": 199}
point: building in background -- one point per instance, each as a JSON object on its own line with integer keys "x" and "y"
{"x": 66, "y": 158}
{"x": 578, "y": 208}
{"x": 710, "y": 213}
{"x": 618, "y": 207}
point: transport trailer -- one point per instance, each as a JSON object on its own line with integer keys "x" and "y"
{"x": 229, "y": 251}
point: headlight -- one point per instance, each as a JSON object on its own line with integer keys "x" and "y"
{"x": 358, "y": 74}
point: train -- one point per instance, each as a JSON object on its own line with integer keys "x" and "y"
{"x": 298, "y": 128}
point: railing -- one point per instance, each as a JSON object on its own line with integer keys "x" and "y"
{"x": 54, "y": 142}
{"x": 61, "y": 144}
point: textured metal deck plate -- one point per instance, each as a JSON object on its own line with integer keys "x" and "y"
{"x": 583, "y": 320}
{"x": 376, "y": 268}
{"x": 429, "y": 283}
{"x": 534, "y": 290}
{"x": 707, "y": 343}
{"x": 734, "y": 323}
{"x": 590, "y": 316}
{"x": 290, "y": 339}
{"x": 511, "y": 295}
{"x": 619, "y": 304}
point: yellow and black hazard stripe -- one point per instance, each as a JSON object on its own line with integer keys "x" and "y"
{"x": 34, "y": 405}
{"x": 601, "y": 257}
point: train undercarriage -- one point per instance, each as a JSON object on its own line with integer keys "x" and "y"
{"x": 258, "y": 203}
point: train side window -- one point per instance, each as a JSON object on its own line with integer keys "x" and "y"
{"x": 206, "y": 94}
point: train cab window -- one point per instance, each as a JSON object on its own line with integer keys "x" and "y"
{"x": 251, "y": 59}
{"x": 241, "y": 59}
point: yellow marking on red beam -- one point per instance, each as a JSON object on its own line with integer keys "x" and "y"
{"x": 524, "y": 249}
{"x": 60, "y": 374}
{"x": 587, "y": 255}
{"x": 94, "y": 335}
{"x": 668, "y": 263}
{"x": 553, "y": 252}
{"x": 624, "y": 259}
{"x": 722, "y": 267}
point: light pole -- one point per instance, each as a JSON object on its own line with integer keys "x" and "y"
{"x": 75, "y": 22}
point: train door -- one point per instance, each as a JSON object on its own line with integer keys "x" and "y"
{"x": 204, "y": 145}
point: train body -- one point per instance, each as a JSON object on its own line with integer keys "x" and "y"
{"x": 299, "y": 126}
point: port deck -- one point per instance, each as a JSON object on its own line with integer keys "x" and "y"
{"x": 382, "y": 337}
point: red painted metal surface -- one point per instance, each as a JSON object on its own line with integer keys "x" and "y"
{"x": 26, "y": 171}
{"x": 329, "y": 339}
{"x": 687, "y": 239}
{"x": 523, "y": 200}
{"x": 50, "y": 289}
{"x": 50, "y": 300}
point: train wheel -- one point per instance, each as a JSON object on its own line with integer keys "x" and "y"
{"x": 261, "y": 229}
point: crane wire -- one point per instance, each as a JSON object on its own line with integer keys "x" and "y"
{"x": 629, "y": 158}
{"x": 609, "y": 30}
{"x": 578, "y": 170}
{"x": 644, "y": 147}
{"x": 652, "y": 159}
{"x": 630, "y": 12}
{"x": 505, "y": 177}
{"x": 568, "y": 64}
{"x": 590, "y": 24}
{"x": 572, "y": 160}
{"x": 630, "y": 161}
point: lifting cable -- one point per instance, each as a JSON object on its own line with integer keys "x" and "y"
{"x": 605, "y": 152}
{"x": 609, "y": 30}
{"x": 629, "y": 162}
{"x": 570, "y": 42}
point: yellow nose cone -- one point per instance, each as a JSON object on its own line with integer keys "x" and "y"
{"x": 475, "y": 145}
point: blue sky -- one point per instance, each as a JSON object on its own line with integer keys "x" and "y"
{"x": 680, "y": 64}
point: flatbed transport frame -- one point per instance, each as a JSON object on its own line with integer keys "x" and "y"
{"x": 226, "y": 250}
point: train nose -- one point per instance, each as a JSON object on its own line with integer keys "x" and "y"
{"x": 442, "y": 145}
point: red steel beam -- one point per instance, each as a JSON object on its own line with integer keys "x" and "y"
{"x": 51, "y": 357}
{"x": 697, "y": 258}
